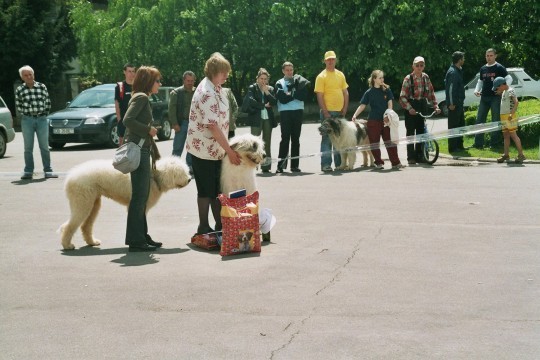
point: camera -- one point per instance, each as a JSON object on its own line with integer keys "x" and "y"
{"x": 291, "y": 84}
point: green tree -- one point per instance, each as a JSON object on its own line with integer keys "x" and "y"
{"x": 177, "y": 35}
{"x": 35, "y": 33}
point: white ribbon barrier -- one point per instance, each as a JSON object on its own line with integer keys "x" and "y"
{"x": 444, "y": 134}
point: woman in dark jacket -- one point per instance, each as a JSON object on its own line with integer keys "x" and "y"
{"x": 138, "y": 121}
{"x": 258, "y": 104}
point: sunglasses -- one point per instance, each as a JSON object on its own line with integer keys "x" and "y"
{"x": 158, "y": 81}
{"x": 419, "y": 65}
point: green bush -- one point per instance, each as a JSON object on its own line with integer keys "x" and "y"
{"x": 529, "y": 134}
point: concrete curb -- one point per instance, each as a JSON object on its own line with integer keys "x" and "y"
{"x": 479, "y": 159}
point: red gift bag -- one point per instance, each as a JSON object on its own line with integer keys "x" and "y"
{"x": 240, "y": 221}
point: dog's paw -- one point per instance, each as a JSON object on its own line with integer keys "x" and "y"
{"x": 93, "y": 242}
{"x": 68, "y": 246}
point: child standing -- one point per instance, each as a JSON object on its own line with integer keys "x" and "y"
{"x": 509, "y": 105}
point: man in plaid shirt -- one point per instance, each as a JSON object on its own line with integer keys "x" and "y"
{"x": 33, "y": 103}
{"x": 416, "y": 92}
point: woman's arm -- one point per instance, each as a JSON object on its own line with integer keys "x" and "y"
{"x": 135, "y": 119}
{"x": 358, "y": 111}
{"x": 217, "y": 134}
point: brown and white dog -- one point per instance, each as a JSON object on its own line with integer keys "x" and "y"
{"x": 88, "y": 182}
{"x": 233, "y": 177}
{"x": 345, "y": 135}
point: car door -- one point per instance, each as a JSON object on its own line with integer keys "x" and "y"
{"x": 517, "y": 84}
{"x": 157, "y": 108}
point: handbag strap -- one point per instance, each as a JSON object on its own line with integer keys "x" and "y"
{"x": 141, "y": 142}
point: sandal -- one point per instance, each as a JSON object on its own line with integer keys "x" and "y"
{"x": 520, "y": 158}
{"x": 503, "y": 158}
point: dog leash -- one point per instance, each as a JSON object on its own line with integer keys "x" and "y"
{"x": 413, "y": 139}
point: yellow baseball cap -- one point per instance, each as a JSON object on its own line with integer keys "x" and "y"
{"x": 329, "y": 55}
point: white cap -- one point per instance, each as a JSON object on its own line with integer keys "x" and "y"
{"x": 418, "y": 59}
{"x": 266, "y": 220}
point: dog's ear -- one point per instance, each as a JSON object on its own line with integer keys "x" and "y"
{"x": 335, "y": 124}
{"x": 254, "y": 146}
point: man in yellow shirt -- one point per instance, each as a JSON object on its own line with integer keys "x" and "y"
{"x": 333, "y": 98}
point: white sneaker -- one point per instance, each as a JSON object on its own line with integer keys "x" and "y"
{"x": 379, "y": 166}
{"x": 327, "y": 169}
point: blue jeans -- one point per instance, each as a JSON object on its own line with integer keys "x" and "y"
{"x": 40, "y": 126}
{"x": 179, "y": 141}
{"x": 326, "y": 146}
{"x": 137, "y": 227}
{"x": 487, "y": 103}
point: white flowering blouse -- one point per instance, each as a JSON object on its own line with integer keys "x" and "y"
{"x": 208, "y": 106}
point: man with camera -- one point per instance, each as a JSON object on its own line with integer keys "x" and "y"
{"x": 291, "y": 91}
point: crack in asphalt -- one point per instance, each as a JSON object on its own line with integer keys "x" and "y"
{"x": 332, "y": 281}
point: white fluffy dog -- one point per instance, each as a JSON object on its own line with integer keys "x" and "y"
{"x": 88, "y": 182}
{"x": 233, "y": 177}
{"x": 344, "y": 135}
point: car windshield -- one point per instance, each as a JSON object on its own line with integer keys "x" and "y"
{"x": 94, "y": 99}
{"x": 473, "y": 82}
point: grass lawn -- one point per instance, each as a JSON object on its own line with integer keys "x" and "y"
{"x": 525, "y": 108}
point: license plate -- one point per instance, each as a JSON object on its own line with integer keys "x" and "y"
{"x": 63, "y": 131}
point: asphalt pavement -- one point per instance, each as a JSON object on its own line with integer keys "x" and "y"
{"x": 428, "y": 262}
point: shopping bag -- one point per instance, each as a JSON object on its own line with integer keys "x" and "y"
{"x": 240, "y": 222}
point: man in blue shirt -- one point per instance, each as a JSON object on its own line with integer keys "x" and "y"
{"x": 455, "y": 96}
{"x": 489, "y": 99}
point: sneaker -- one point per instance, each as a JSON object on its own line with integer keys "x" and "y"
{"x": 379, "y": 166}
{"x": 296, "y": 170}
{"x": 327, "y": 169}
{"x": 50, "y": 175}
{"x": 27, "y": 176}
{"x": 411, "y": 162}
{"x": 398, "y": 166}
{"x": 279, "y": 171}
{"x": 519, "y": 159}
{"x": 503, "y": 158}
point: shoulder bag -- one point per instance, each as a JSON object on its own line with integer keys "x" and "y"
{"x": 127, "y": 157}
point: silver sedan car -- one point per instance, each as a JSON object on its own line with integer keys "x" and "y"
{"x": 7, "y": 132}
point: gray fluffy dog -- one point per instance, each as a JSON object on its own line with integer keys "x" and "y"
{"x": 345, "y": 135}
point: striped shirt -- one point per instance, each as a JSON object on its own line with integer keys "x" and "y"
{"x": 34, "y": 101}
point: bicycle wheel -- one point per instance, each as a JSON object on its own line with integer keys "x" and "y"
{"x": 430, "y": 151}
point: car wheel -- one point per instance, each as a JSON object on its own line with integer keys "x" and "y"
{"x": 165, "y": 132}
{"x": 57, "y": 145}
{"x": 113, "y": 138}
{"x": 3, "y": 145}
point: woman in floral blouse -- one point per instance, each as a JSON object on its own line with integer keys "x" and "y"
{"x": 207, "y": 139}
